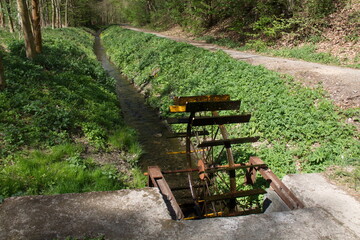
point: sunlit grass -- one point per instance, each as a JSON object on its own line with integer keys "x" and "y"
{"x": 60, "y": 169}
{"x": 61, "y": 97}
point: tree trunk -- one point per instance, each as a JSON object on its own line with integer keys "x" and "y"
{"x": 2, "y": 77}
{"x": 58, "y": 13}
{"x": 53, "y": 16}
{"x": 26, "y": 26}
{"x": 43, "y": 16}
{"x": 47, "y": 13}
{"x": 67, "y": 13}
{"x": 2, "y": 15}
{"x": 36, "y": 25}
{"x": 11, "y": 22}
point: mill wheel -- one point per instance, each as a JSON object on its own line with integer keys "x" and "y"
{"x": 207, "y": 146}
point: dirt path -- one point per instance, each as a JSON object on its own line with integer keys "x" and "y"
{"x": 343, "y": 84}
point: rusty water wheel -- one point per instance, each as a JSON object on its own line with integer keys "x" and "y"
{"x": 214, "y": 188}
{"x": 204, "y": 154}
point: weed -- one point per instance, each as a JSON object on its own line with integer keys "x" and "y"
{"x": 60, "y": 169}
{"x": 307, "y": 53}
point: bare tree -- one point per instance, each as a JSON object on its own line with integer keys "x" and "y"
{"x": 2, "y": 77}
{"x": 26, "y": 26}
{"x": 36, "y": 25}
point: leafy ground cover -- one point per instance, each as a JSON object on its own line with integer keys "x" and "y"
{"x": 56, "y": 112}
{"x": 300, "y": 129}
{"x": 307, "y": 52}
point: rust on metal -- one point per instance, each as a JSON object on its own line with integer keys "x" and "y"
{"x": 212, "y": 106}
{"x": 205, "y": 130}
{"x": 156, "y": 179}
{"x": 235, "y": 194}
{"x": 212, "y": 168}
{"x": 193, "y": 134}
{"x": 279, "y": 187}
{"x": 201, "y": 169}
{"x": 205, "y": 121}
{"x": 227, "y": 142}
{"x": 184, "y": 152}
{"x": 204, "y": 98}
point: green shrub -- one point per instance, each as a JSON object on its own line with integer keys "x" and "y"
{"x": 126, "y": 139}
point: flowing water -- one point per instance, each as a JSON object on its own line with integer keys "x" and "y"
{"x": 153, "y": 133}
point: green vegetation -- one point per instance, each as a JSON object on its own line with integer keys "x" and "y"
{"x": 307, "y": 52}
{"x": 60, "y": 170}
{"x": 56, "y": 111}
{"x": 245, "y": 14}
{"x": 300, "y": 129}
{"x": 257, "y": 25}
{"x": 347, "y": 175}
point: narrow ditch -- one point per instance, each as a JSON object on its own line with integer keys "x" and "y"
{"x": 153, "y": 133}
{"x": 154, "y": 138}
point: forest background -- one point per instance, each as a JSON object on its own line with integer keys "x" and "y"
{"x": 330, "y": 27}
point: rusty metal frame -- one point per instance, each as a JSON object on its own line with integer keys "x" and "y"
{"x": 213, "y": 103}
{"x": 275, "y": 183}
{"x": 156, "y": 179}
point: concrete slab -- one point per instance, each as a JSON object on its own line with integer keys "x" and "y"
{"x": 315, "y": 191}
{"x": 142, "y": 214}
{"x": 311, "y": 223}
{"x": 122, "y": 214}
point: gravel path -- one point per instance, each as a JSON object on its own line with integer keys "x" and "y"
{"x": 343, "y": 84}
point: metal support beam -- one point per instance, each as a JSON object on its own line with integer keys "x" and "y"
{"x": 279, "y": 187}
{"x": 156, "y": 179}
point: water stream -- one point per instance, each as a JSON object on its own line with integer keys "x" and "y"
{"x": 153, "y": 133}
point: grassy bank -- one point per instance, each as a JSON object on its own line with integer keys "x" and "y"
{"x": 307, "y": 52}
{"x": 57, "y": 114}
{"x": 301, "y": 131}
